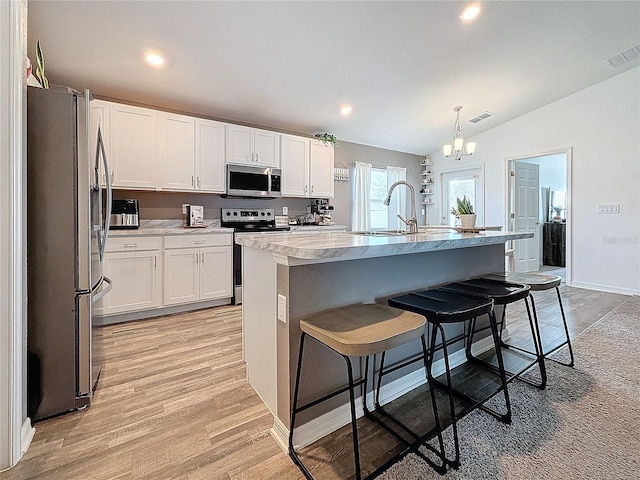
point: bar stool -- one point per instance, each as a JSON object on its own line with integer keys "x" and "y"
{"x": 504, "y": 293}
{"x": 363, "y": 330}
{"x": 442, "y": 308}
{"x": 540, "y": 282}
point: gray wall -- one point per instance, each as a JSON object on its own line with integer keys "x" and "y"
{"x": 346, "y": 153}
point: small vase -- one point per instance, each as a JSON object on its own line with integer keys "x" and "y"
{"x": 468, "y": 221}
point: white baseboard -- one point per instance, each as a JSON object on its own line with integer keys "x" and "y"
{"x": 158, "y": 312}
{"x": 337, "y": 418}
{"x": 26, "y": 435}
{"x": 605, "y": 288}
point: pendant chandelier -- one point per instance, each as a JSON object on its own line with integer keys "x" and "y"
{"x": 457, "y": 148}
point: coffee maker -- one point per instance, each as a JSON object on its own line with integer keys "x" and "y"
{"x": 125, "y": 214}
{"x": 322, "y": 211}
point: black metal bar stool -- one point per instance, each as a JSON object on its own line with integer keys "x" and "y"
{"x": 442, "y": 308}
{"x": 363, "y": 330}
{"x": 504, "y": 293}
{"x": 540, "y": 282}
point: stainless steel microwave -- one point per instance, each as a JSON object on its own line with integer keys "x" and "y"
{"x": 253, "y": 181}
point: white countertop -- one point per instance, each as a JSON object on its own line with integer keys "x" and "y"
{"x": 323, "y": 246}
{"x": 174, "y": 227}
{"x": 169, "y": 227}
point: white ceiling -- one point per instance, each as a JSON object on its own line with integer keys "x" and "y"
{"x": 289, "y": 65}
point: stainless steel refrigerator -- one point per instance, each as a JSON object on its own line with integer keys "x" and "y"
{"x": 66, "y": 239}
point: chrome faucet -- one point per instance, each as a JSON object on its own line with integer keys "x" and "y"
{"x": 412, "y": 221}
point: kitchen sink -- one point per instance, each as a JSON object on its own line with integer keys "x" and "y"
{"x": 382, "y": 233}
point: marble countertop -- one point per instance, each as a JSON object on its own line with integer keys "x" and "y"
{"x": 169, "y": 227}
{"x": 174, "y": 227}
{"x": 323, "y": 246}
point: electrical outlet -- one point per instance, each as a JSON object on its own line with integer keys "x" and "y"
{"x": 282, "y": 308}
{"x": 609, "y": 208}
{"x": 285, "y": 210}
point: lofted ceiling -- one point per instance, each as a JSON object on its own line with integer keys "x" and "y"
{"x": 288, "y": 66}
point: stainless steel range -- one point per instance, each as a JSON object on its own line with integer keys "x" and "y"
{"x": 246, "y": 220}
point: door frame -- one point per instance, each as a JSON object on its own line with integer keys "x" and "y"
{"x": 15, "y": 430}
{"x": 568, "y": 153}
{"x": 480, "y": 220}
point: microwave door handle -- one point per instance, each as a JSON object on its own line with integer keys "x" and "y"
{"x": 107, "y": 219}
{"x": 269, "y": 182}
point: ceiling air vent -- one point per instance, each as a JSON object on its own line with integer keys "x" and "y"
{"x": 626, "y": 56}
{"x": 481, "y": 117}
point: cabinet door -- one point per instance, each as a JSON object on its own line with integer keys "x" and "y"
{"x": 210, "y": 174}
{"x": 176, "y": 152}
{"x": 133, "y": 147}
{"x": 215, "y": 272}
{"x": 266, "y": 148}
{"x": 181, "y": 282}
{"x": 294, "y": 162}
{"x": 240, "y": 145}
{"x": 99, "y": 117}
{"x": 321, "y": 171}
{"x": 135, "y": 278}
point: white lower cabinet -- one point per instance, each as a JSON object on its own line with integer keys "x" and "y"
{"x": 197, "y": 268}
{"x": 134, "y": 266}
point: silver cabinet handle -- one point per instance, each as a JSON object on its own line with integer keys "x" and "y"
{"x": 113, "y": 175}
{"x": 198, "y": 181}
{"x": 192, "y": 182}
{"x": 306, "y": 187}
{"x": 130, "y": 245}
{"x": 311, "y": 188}
{"x": 196, "y": 255}
{"x": 200, "y": 242}
{"x": 155, "y": 262}
{"x": 202, "y": 258}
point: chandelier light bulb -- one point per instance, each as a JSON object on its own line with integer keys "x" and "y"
{"x": 457, "y": 147}
{"x": 471, "y": 148}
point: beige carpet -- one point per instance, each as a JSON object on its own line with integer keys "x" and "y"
{"x": 585, "y": 425}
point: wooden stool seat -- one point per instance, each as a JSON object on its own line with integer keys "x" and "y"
{"x": 537, "y": 281}
{"x": 364, "y": 329}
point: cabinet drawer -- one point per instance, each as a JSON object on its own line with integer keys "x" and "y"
{"x": 135, "y": 243}
{"x": 195, "y": 240}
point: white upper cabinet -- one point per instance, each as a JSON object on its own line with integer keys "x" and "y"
{"x": 176, "y": 158}
{"x": 321, "y": 170}
{"x": 133, "y": 142}
{"x": 294, "y": 161}
{"x": 190, "y": 153}
{"x": 252, "y": 146}
{"x": 209, "y": 156}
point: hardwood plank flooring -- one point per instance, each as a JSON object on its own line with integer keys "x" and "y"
{"x": 173, "y": 403}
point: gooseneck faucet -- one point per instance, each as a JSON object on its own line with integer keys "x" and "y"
{"x": 412, "y": 221}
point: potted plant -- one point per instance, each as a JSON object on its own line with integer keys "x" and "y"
{"x": 327, "y": 138}
{"x": 464, "y": 211}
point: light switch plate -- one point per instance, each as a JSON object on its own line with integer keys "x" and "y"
{"x": 609, "y": 208}
{"x": 282, "y": 308}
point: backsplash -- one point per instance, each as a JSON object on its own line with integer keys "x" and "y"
{"x": 168, "y": 205}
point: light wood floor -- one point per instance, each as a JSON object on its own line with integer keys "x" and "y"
{"x": 173, "y": 403}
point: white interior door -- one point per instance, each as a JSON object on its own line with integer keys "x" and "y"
{"x": 525, "y": 215}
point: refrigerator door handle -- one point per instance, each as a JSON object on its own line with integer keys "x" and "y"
{"x": 107, "y": 220}
{"x": 105, "y": 290}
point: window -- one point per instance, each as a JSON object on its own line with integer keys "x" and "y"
{"x": 378, "y": 192}
{"x": 459, "y": 183}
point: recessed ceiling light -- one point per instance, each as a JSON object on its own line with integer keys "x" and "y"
{"x": 346, "y": 109}
{"x": 470, "y": 12}
{"x": 154, "y": 59}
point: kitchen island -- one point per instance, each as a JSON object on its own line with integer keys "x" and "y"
{"x": 293, "y": 276}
